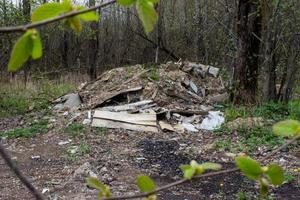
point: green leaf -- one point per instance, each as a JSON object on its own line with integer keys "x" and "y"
{"x": 37, "y": 49}
{"x": 95, "y": 183}
{"x": 275, "y": 174}
{"x": 89, "y": 16}
{"x": 75, "y": 24}
{"x": 47, "y": 11}
{"x": 145, "y": 183}
{"x": 126, "y": 2}
{"x": 104, "y": 190}
{"x": 147, "y": 14}
{"x": 21, "y": 52}
{"x": 249, "y": 167}
{"x": 287, "y": 128}
{"x": 188, "y": 171}
{"x": 213, "y": 166}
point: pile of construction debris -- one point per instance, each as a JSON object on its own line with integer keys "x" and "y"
{"x": 174, "y": 97}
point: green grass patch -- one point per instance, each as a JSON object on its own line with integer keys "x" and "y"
{"x": 275, "y": 111}
{"x": 75, "y": 130}
{"x": 249, "y": 140}
{"x": 101, "y": 130}
{"x": 153, "y": 74}
{"x": 27, "y": 132}
{"x": 17, "y": 100}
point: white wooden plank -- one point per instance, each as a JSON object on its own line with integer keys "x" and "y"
{"x": 139, "y": 118}
{"x": 116, "y": 125}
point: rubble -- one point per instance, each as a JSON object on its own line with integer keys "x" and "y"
{"x": 169, "y": 97}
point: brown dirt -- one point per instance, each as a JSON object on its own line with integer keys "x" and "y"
{"x": 117, "y": 157}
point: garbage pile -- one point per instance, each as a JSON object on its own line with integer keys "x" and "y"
{"x": 169, "y": 97}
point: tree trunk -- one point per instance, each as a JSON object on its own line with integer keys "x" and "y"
{"x": 200, "y": 47}
{"x": 290, "y": 78}
{"x": 270, "y": 28}
{"x": 246, "y": 65}
{"x": 93, "y": 47}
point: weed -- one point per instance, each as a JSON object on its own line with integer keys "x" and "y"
{"x": 75, "y": 130}
{"x": 101, "y": 130}
{"x": 27, "y": 132}
{"x": 75, "y": 152}
{"x": 154, "y": 74}
{"x": 250, "y": 139}
{"x": 241, "y": 195}
{"x": 232, "y": 113}
{"x": 223, "y": 144}
{"x": 17, "y": 100}
{"x": 84, "y": 149}
{"x": 271, "y": 110}
{"x": 288, "y": 177}
{"x": 294, "y": 109}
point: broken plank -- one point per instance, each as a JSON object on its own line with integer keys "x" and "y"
{"x": 139, "y": 118}
{"x": 128, "y": 107}
{"x": 121, "y": 125}
{"x": 189, "y": 112}
{"x": 116, "y": 94}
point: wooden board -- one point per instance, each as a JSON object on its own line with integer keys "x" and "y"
{"x": 139, "y": 118}
{"x": 123, "y": 125}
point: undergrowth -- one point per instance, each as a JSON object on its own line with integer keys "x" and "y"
{"x": 15, "y": 99}
{"x": 27, "y": 132}
{"x": 275, "y": 111}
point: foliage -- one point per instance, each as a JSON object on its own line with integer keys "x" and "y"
{"x": 271, "y": 110}
{"x": 194, "y": 169}
{"x": 272, "y": 174}
{"x": 27, "y": 132}
{"x": 17, "y": 100}
{"x": 154, "y": 74}
{"x": 29, "y": 44}
{"x": 75, "y": 129}
{"x": 249, "y": 139}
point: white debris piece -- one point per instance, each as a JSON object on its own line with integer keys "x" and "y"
{"x": 213, "y": 121}
{"x": 189, "y": 127}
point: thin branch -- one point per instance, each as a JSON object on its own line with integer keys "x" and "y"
{"x": 183, "y": 181}
{"x": 23, "y": 28}
{"x": 18, "y": 173}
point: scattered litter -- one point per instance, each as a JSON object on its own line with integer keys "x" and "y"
{"x": 73, "y": 149}
{"x": 64, "y": 142}
{"x": 45, "y": 190}
{"x": 87, "y": 122}
{"x": 194, "y": 87}
{"x": 35, "y": 157}
{"x": 213, "y": 121}
{"x": 189, "y": 127}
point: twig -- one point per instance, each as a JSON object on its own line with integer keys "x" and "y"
{"x": 182, "y": 181}
{"x": 23, "y": 28}
{"x": 18, "y": 173}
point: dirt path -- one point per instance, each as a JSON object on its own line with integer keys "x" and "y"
{"x": 116, "y": 157}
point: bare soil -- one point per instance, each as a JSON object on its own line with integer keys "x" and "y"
{"x": 118, "y": 156}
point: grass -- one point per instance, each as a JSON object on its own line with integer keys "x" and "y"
{"x": 101, "y": 130}
{"x": 75, "y": 130}
{"x": 15, "y": 99}
{"x": 79, "y": 151}
{"x": 153, "y": 74}
{"x": 27, "y": 132}
{"x": 249, "y": 140}
{"x": 275, "y": 111}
